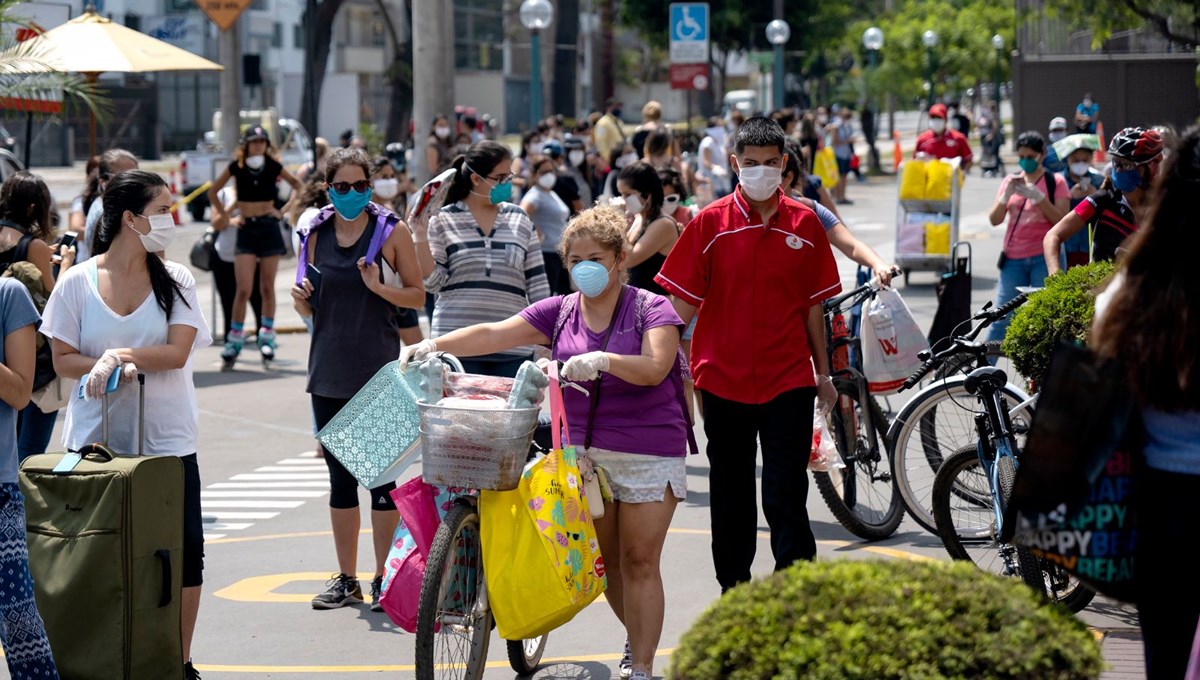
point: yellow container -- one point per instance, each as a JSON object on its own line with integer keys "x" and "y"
{"x": 937, "y": 238}
{"x": 912, "y": 180}
{"x": 938, "y": 178}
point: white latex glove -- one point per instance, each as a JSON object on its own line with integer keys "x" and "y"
{"x": 543, "y": 365}
{"x": 585, "y": 367}
{"x": 826, "y": 395}
{"x": 100, "y": 373}
{"x": 1032, "y": 193}
{"x": 129, "y": 373}
{"x": 1010, "y": 187}
{"x": 417, "y": 352}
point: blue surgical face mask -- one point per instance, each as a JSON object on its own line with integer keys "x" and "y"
{"x": 1127, "y": 180}
{"x": 591, "y": 278}
{"x": 1029, "y": 165}
{"x": 501, "y": 193}
{"x": 350, "y": 204}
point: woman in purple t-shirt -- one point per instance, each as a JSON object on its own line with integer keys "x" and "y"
{"x": 624, "y": 344}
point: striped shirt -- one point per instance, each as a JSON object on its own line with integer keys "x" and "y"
{"x": 481, "y": 279}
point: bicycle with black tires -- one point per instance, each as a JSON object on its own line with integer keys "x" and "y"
{"x": 862, "y": 495}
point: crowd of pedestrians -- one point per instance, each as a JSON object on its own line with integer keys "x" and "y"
{"x": 607, "y": 244}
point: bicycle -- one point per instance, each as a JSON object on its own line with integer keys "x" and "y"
{"x": 454, "y": 618}
{"x": 972, "y": 489}
{"x": 925, "y": 432}
{"x": 862, "y": 496}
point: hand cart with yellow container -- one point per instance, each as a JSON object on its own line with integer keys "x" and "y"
{"x": 929, "y": 193}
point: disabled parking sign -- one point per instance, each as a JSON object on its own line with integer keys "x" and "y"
{"x": 689, "y": 32}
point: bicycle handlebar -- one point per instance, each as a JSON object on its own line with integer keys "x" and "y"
{"x": 836, "y": 302}
{"x": 986, "y": 317}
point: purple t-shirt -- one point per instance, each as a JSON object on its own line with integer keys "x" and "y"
{"x": 629, "y": 418}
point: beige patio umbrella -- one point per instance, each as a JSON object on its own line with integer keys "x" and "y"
{"x": 91, "y": 44}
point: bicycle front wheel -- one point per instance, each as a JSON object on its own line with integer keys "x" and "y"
{"x": 862, "y": 495}
{"x": 938, "y": 421}
{"x": 454, "y": 621}
{"x": 966, "y": 519}
{"x": 525, "y": 655}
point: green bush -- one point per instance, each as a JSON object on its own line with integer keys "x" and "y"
{"x": 1061, "y": 311}
{"x": 876, "y": 620}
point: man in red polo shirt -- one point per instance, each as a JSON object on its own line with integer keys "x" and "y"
{"x": 941, "y": 142}
{"x": 760, "y": 265}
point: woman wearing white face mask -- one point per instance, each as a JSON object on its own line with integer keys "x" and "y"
{"x": 652, "y": 233}
{"x": 623, "y": 156}
{"x": 127, "y": 310}
{"x": 437, "y": 148}
{"x": 674, "y": 194}
{"x": 389, "y": 192}
{"x": 549, "y": 214}
{"x": 260, "y": 243}
{"x": 577, "y": 169}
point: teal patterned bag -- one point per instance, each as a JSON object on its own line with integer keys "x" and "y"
{"x": 377, "y": 435}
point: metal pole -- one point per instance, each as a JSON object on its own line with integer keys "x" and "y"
{"x": 231, "y": 89}
{"x": 535, "y": 79}
{"x": 997, "y": 92}
{"x": 28, "y": 137}
{"x": 310, "y": 76}
{"x": 932, "y": 88}
{"x": 777, "y": 77}
{"x": 873, "y": 102}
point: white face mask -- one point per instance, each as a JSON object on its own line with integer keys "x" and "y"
{"x": 1056, "y": 135}
{"x": 633, "y": 205}
{"x": 576, "y": 157}
{"x": 760, "y": 182}
{"x": 255, "y": 162}
{"x": 1080, "y": 169}
{"x": 442, "y": 131}
{"x": 547, "y": 181}
{"x": 387, "y": 188}
{"x": 161, "y": 235}
{"x": 938, "y": 125}
{"x": 670, "y": 203}
{"x": 627, "y": 160}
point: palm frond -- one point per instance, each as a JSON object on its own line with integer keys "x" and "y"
{"x": 26, "y": 74}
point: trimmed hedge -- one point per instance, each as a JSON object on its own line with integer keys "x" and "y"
{"x": 877, "y": 620}
{"x": 1062, "y": 311}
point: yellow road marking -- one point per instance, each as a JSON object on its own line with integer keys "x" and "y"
{"x": 262, "y": 588}
{"x": 228, "y": 668}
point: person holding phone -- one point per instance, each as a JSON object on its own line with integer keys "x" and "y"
{"x": 1082, "y": 181}
{"x": 356, "y": 331}
{"x": 1031, "y": 202}
{"x": 256, "y": 170}
{"x": 481, "y": 254}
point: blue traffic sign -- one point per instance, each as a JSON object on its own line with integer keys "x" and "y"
{"x": 689, "y": 22}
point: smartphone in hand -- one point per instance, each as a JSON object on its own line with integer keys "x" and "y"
{"x": 314, "y": 277}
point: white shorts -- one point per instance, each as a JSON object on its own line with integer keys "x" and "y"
{"x": 639, "y": 478}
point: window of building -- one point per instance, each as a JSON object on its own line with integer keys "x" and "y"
{"x": 277, "y": 35}
{"x": 479, "y": 34}
{"x": 299, "y": 39}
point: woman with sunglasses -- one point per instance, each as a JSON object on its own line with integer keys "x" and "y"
{"x": 481, "y": 254}
{"x": 260, "y": 244}
{"x": 356, "y": 331}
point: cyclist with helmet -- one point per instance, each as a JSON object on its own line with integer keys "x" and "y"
{"x": 1111, "y": 214}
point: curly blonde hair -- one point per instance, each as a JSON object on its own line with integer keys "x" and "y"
{"x": 603, "y": 224}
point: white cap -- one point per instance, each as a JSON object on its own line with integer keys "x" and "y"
{"x": 1058, "y": 123}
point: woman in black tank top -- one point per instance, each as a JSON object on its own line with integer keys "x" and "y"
{"x": 651, "y": 234}
{"x": 260, "y": 241}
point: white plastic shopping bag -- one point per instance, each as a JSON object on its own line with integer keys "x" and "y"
{"x": 891, "y": 341}
{"x": 824, "y": 456}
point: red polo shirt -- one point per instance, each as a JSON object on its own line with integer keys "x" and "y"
{"x": 952, "y": 144}
{"x": 756, "y": 284}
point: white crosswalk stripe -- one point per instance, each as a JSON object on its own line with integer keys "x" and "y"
{"x": 262, "y": 494}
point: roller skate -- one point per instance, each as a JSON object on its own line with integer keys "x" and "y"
{"x": 266, "y": 346}
{"x": 233, "y": 347}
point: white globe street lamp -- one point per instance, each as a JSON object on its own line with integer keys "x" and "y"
{"x": 778, "y": 33}
{"x": 536, "y": 15}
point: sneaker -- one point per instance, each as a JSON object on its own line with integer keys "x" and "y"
{"x": 626, "y": 665}
{"x": 342, "y": 590}
{"x": 376, "y": 594}
{"x": 190, "y": 672}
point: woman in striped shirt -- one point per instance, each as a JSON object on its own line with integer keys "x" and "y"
{"x": 481, "y": 254}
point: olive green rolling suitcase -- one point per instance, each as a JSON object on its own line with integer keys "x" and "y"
{"x": 106, "y": 552}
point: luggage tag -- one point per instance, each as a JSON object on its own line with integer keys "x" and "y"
{"x": 72, "y": 459}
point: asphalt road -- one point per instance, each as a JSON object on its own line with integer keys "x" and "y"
{"x": 270, "y": 549}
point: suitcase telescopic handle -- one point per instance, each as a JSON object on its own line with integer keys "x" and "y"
{"x": 141, "y": 379}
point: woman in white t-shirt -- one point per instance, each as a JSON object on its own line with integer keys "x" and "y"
{"x": 128, "y": 310}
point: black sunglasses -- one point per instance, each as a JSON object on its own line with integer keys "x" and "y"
{"x": 344, "y": 187}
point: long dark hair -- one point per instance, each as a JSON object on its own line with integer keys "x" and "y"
{"x": 481, "y": 158}
{"x": 25, "y": 200}
{"x": 1151, "y": 322}
{"x": 133, "y": 190}
{"x": 92, "y": 191}
{"x": 643, "y": 178}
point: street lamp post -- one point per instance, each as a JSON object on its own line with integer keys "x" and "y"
{"x": 873, "y": 40}
{"x": 536, "y": 16}
{"x": 998, "y": 45}
{"x": 778, "y": 33}
{"x": 930, "y": 38}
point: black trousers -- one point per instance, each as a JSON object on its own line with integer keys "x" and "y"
{"x": 1168, "y": 596}
{"x": 784, "y": 428}
{"x": 226, "y": 282}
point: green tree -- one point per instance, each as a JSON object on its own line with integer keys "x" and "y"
{"x": 1176, "y": 20}
{"x": 24, "y": 73}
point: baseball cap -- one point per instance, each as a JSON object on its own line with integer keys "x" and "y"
{"x": 937, "y": 111}
{"x": 256, "y": 132}
{"x": 1058, "y": 123}
{"x": 553, "y": 149}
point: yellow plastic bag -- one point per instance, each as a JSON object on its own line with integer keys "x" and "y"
{"x": 825, "y": 167}
{"x": 542, "y": 557}
{"x": 912, "y": 180}
{"x": 938, "y": 178}
{"x": 937, "y": 238}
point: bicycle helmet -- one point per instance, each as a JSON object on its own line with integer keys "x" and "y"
{"x": 1136, "y": 144}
